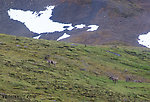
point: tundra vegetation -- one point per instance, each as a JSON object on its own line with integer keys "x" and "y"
{"x": 80, "y": 74}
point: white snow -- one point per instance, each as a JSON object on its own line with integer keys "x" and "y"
{"x": 63, "y": 37}
{"x": 80, "y": 26}
{"x": 93, "y": 27}
{"x": 38, "y": 22}
{"x": 70, "y": 28}
{"x": 37, "y": 37}
{"x": 144, "y": 39}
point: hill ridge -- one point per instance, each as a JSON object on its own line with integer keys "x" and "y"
{"x": 80, "y": 74}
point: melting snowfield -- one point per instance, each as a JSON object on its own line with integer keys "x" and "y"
{"x": 93, "y": 27}
{"x": 80, "y": 26}
{"x": 63, "y": 36}
{"x": 144, "y": 40}
{"x": 40, "y": 22}
{"x": 37, "y": 37}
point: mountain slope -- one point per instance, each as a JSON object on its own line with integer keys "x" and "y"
{"x": 118, "y": 20}
{"x": 80, "y": 74}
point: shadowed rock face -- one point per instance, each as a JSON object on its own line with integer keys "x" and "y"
{"x": 119, "y": 20}
{"x": 78, "y": 11}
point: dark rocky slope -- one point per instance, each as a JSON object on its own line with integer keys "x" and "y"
{"x": 119, "y": 20}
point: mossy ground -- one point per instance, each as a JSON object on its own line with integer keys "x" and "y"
{"x": 81, "y": 73}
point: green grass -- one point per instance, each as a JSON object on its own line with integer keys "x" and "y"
{"x": 81, "y": 73}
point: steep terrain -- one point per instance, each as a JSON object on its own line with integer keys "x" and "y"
{"x": 119, "y": 20}
{"x": 81, "y": 73}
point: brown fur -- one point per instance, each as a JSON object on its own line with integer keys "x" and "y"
{"x": 114, "y": 79}
{"x": 51, "y": 62}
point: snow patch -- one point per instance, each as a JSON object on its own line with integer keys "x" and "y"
{"x": 93, "y": 27}
{"x": 38, "y": 22}
{"x": 37, "y": 37}
{"x": 80, "y": 26}
{"x": 70, "y": 28}
{"x": 144, "y": 40}
{"x": 63, "y": 36}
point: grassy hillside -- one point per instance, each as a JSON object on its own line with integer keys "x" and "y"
{"x": 80, "y": 74}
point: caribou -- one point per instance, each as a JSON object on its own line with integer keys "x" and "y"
{"x": 51, "y": 62}
{"x": 114, "y": 79}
